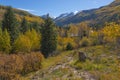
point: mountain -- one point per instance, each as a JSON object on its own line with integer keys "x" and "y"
{"x": 94, "y": 17}
{"x": 20, "y": 14}
{"x": 65, "y": 15}
{"x": 45, "y": 16}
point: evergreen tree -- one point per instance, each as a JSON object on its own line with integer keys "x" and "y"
{"x": 9, "y": 23}
{"x": 69, "y": 46}
{"x": 24, "y": 26}
{"x": 48, "y": 37}
{"x": 36, "y": 26}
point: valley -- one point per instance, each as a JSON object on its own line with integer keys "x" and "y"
{"x": 80, "y": 45}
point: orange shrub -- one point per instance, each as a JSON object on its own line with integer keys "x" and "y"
{"x": 13, "y": 66}
{"x": 32, "y": 62}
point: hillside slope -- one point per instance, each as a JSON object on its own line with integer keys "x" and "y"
{"x": 102, "y": 66}
{"x": 109, "y": 13}
{"x": 20, "y": 14}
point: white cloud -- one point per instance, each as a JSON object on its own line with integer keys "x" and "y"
{"x": 29, "y": 10}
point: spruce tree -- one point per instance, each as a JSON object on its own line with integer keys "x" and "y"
{"x": 36, "y": 26}
{"x": 24, "y": 26}
{"x": 9, "y": 23}
{"x": 48, "y": 37}
{"x": 69, "y": 46}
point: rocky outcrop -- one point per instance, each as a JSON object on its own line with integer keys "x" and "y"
{"x": 82, "y": 56}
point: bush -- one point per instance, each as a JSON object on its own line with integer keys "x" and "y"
{"x": 28, "y": 42}
{"x": 22, "y": 44}
{"x": 5, "y": 41}
{"x": 84, "y": 42}
{"x": 13, "y": 66}
{"x": 63, "y": 42}
{"x": 32, "y": 62}
{"x": 69, "y": 46}
{"x": 34, "y": 38}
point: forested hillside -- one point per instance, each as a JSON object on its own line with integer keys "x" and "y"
{"x": 32, "y": 19}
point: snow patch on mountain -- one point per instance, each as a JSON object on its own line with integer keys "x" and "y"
{"x": 76, "y": 12}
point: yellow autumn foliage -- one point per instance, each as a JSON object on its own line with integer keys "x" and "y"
{"x": 34, "y": 19}
{"x": 5, "y": 41}
{"x": 30, "y": 41}
{"x": 111, "y": 31}
{"x": 34, "y": 38}
{"x": 63, "y": 41}
{"x": 22, "y": 44}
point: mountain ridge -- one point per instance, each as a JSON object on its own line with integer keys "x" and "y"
{"x": 94, "y": 17}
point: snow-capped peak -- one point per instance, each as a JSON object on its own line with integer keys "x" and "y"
{"x": 76, "y": 12}
{"x": 66, "y": 15}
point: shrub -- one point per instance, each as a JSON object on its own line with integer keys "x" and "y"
{"x": 5, "y": 41}
{"x": 34, "y": 38}
{"x": 63, "y": 41}
{"x": 13, "y": 66}
{"x": 22, "y": 44}
{"x": 32, "y": 62}
{"x": 94, "y": 38}
{"x": 88, "y": 65}
{"x": 111, "y": 31}
{"x": 84, "y": 42}
{"x": 69, "y": 46}
{"x": 30, "y": 41}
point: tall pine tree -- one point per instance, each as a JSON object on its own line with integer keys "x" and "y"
{"x": 24, "y": 26}
{"x": 48, "y": 37}
{"x": 36, "y": 26}
{"x": 9, "y": 23}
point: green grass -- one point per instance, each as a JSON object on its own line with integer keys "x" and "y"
{"x": 56, "y": 59}
{"x": 88, "y": 65}
{"x": 104, "y": 64}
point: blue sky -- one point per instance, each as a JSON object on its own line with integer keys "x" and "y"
{"x": 54, "y": 7}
